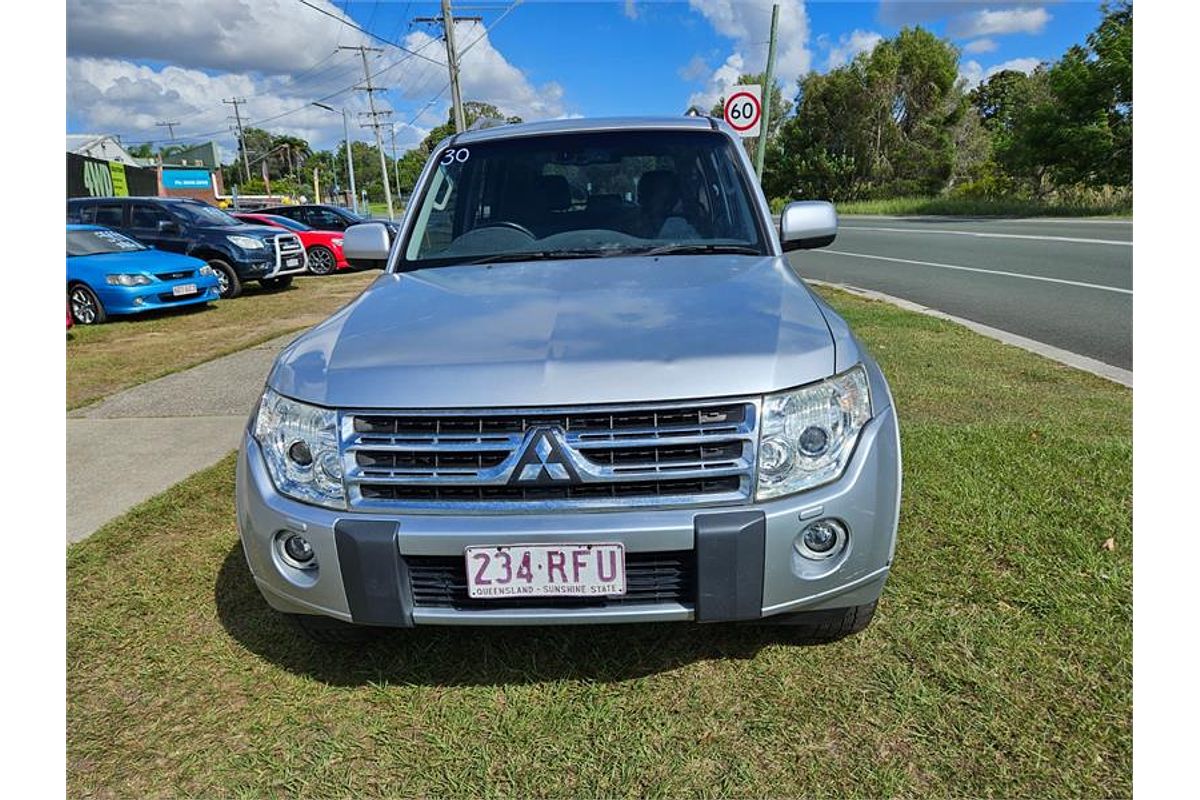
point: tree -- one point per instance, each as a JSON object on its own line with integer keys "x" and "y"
{"x": 884, "y": 124}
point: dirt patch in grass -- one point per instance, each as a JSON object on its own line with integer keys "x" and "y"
{"x": 104, "y": 359}
{"x": 999, "y": 663}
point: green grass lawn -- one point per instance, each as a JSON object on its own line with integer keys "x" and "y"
{"x": 126, "y": 351}
{"x": 999, "y": 663}
{"x": 904, "y": 206}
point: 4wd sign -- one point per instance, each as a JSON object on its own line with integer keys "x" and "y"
{"x": 743, "y": 109}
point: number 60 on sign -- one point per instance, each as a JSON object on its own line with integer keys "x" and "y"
{"x": 743, "y": 109}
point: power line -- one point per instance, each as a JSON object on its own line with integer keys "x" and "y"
{"x": 170, "y": 126}
{"x": 362, "y": 30}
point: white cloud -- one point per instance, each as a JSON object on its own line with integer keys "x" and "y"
{"x": 277, "y": 54}
{"x": 694, "y": 70}
{"x": 850, "y": 45}
{"x": 631, "y": 9}
{"x": 748, "y": 24}
{"x": 974, "y": 74}
{"x": 269, "y": 36}
{"x": 989, "y": 22}
{"x": 980, "y": 46}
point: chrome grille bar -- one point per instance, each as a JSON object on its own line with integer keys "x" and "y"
{"x": 670, "y": 454}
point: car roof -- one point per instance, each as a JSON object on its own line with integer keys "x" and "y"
{"x": 75, "y": 226}
{"x": 585, "y": 124}
{"x": 140, "y": 198}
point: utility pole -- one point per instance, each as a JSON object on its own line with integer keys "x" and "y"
{"x": 395, "y": 161}
{"x": 375, "y": 115}
{"x": 170, "y": 126}
{"x": 766, "y": 109}
{"x": 237, "y": 114}
{"x": 447, "y": 20}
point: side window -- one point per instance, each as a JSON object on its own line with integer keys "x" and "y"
{"x": 147, "y": 217}
{"x": 325, "y": 220}
{"x": 78, "y": 212}
{"x": 108, "y": 214}
{"x": 299, "y": 214}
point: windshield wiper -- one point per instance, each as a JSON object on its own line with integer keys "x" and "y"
{"x": 536, "y": 255}
{"x": 697, "y": 249}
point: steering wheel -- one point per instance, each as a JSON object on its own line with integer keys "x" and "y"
{"x": 516, "y": 226}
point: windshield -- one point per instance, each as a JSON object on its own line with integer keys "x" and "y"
{"x": 95, "y": 242}
{"x": 584, "y": 195}
{"x": 201, "y": 214}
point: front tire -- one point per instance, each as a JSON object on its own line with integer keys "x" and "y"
{"x": 275, "y": 284}
{"x": 227, "y": 280}
{"x": 321, "y": 260}
{"x": 824, "y": 627}
{"x": 86, "y": 308}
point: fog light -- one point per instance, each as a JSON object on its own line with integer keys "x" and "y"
{"x": 298, "y": 552}
{"x": 139, "y": 301}
{"x": 821, "y": 539}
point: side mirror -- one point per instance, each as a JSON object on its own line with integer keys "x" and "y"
{"x": 366, "y": 245}
{"x": 167, "y": 226}
{"x": 807, "y": 224}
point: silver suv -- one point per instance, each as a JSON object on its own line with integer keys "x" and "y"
{"x": 588, "y": 387}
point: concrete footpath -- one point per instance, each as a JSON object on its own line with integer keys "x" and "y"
{"x": 139, "y": 442}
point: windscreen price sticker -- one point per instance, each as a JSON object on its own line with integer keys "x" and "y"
{"x": 743, "y": 110}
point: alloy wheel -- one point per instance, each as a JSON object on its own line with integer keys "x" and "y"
{"x": 321, "y": 261}
{"x": 82, "y": 307}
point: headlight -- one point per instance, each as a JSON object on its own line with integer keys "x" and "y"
{"x": 808, "y": 434}
{"x": 247, "y": 242}
{"x": 337, "y": 242}
{"x": 128, "y": 280}
{"x": 300, "y": 444}
{"x": 206, "y": 271}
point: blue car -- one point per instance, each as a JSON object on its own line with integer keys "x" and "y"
{"x": 109, "y": 273}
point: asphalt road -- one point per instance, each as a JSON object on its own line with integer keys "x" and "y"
{"x": 1065, "y": 283}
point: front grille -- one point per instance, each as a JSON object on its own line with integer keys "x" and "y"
{"x": 288, "y": 245}
{"x": 668, "y": 454}
{"x": 175, "y": 276}
{"x": 667, "y": 577}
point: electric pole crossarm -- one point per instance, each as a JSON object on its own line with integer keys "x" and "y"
{"x": 375, "y": 115}
{"x": 447, "y": 19}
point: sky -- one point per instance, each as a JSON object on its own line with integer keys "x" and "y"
{"x": 132, "y": 64}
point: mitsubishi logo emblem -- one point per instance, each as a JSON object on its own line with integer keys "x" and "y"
{"x": 542, "y": 462}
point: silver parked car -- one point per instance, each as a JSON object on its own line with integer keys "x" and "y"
{"x": 588, "y": 387}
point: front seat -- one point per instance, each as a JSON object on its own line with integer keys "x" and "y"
{"x": 661, "y": 203}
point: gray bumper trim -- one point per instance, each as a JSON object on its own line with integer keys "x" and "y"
{"x": 730, "y": 551}
{"x": 375, "y": 576}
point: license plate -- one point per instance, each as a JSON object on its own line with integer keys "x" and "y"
{"x": 537, "y": 570}
{"x": 292, "y": 262}
{"x": 183, "y": 288}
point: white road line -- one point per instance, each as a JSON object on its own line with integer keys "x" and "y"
{"x": 1115, "y": 374}
{"x": 977, "y": 269}
{"x": 1035, "y": 220}
{"x": 983, "y": 235}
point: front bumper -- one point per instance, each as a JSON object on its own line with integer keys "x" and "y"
{"x": 157, "y": 295}
{"x": 745, "y": 567}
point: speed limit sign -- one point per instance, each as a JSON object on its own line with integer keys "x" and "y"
{"x": 743, "y": 109}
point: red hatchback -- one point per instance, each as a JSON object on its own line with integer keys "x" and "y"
{"x": 324, "y": 248}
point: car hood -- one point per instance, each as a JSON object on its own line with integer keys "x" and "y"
{"x": 246, "y": 229}
{"x": 137, "y": 261}
{"x": 570, "y": 332}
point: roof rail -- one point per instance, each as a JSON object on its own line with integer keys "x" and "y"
{"x": 483, "y": 123}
